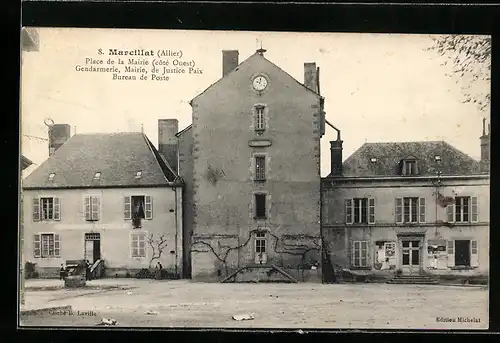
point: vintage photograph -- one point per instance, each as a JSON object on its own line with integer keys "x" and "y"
{"x": 231, "y": 179}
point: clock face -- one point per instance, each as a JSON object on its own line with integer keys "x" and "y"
{"x": 260, "y": 83}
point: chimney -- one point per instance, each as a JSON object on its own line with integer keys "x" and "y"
{"x": 58, "y": 135}
{"x": 311, "y": 76}
{"x": 167, "y": 141}
{"x": 229, "y": 61}
{"x": 485, "y": 148}
{"x": 336, "y": 156}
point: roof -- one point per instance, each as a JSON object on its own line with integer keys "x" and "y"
{"x": 389, "y": 155}
{"x": 25, "y": 162}
{"x": 117, "y": 156}
{"x": 248, "y": 60}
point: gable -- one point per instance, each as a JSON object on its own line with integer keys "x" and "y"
{"x": 241, "y": 76}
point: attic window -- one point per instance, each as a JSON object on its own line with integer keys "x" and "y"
{"x": 373, "y": 159}
{"x": 138, "y": 174}
{"x": 51, "y": 176}
{"x": 437, "y": 158}
{"x": 409, "y": 167}
{"x": 97, "y": 176}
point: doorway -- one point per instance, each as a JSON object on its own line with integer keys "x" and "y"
{"x": 462, "y": 253}
{"x": 411, "y": 256}
{"x": 92, "y": 247}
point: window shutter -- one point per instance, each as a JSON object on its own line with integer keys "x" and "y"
{"x": 142, "y": 246}
{"x": 57, "y": 247}
{"x": 36, "y": 209}
{"x": 416, "y": 168}
{"x": 364, "y": 254}
{"x": 348, "y": 211}
{"x": 371, "y": 211}
{"x": 148, "y": 207}
{"x": 399, "y": 210}
{"x": 474, "y": 217}
{"x": 96, "y": 206}
{"x": 450, "y": 213}
{"x": 57, "y": 209}
{"x": 451, "y": 253}
{"x": 474, "y": 258}
{"x": 403, "y": 169}
{"x": 135, "y": 246}
{"x": 421, "y": 210}
{"x": 88, "y": 215}
{"x": 36, "y": 246}
{"x": 127, "y": 208}
{"x": 353, "y": 253}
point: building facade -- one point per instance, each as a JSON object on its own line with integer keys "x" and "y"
{"x": 251, "y": 164}
{"x": 106, "y": 198}
{"x": 415, "y": 208}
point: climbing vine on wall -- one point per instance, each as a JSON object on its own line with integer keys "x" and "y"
{"x": 279, "y": 246}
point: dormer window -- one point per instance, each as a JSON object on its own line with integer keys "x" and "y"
{"x": 52, "y": 176}
{"x": 138, "y": 174}
{"x": 409, "y": 167}
{"x": 437, "y": 158}
{"x": 97, "y": 176}
{"x": 373, "y": 159}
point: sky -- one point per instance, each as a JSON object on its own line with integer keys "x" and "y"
{"x": 377, "y": 87}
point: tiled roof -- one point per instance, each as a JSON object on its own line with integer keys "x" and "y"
{"x": 389, "y": 155}
{"x": 25, "y": 162}
{"x": 117, "y": 156}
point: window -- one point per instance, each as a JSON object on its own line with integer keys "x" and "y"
{"x": 260, "y": 168}
{"x": 260, "y": 124}
{"x": 464, "y": 210}
{"x": 138, "y": 174}
{"x": 260, "y": 242}
{"x": 139, "y": 245}
{"x": 360, "y": 211}
{"x": 97, "y": 176}
{"x": 92, "y": 208}
{"x": 260, "y": 206}
{"x": 409, "y": 167}
{"x": 410, "y": 210}
{"x": 52, "y": 176}
{"x": 359, "y": 254}
{"x": 46, "y": 209}
{"x": 138, "y": 207}
{"x": 46, "y": 245}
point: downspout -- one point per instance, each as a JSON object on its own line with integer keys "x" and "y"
{"x": 333, "y": 127}
{"x": 176, "y": 212}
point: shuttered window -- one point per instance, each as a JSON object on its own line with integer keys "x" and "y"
{"x": 92, "y": 208}
{"x": 46, "y": 245}
{"x": 359, "y": 254}
{"x": 138, "y": 248}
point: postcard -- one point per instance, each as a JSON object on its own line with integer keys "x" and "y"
{"x": 231, "y": 179}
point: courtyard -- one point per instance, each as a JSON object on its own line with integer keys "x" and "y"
{"x": 182, "y": 303}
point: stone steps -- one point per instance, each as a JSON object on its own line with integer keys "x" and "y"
{"x": 414, "y": 280}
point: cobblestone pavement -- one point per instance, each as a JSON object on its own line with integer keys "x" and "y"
{"x": 303, "y": 305}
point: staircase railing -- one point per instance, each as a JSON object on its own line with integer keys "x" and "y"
{"x": 97, "y": 269}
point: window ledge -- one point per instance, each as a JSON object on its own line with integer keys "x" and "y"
{"x": 260, "y": 218}
{"x": 462, "y": 268}
{"x": 260, "y": 180}
{"x": 361, "y": 268}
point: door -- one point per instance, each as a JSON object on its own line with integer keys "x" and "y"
{"x": 462, "y": 253}
{"x": 410, "y": 259}
{"x": 92, "y": 247}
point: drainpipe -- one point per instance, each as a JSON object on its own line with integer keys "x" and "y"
{"x": 176, "y": 213}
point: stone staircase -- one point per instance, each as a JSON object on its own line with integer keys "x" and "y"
{"x": 414, "y": 280}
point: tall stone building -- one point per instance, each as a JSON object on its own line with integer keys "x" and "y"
{"x": 251, "y": 166}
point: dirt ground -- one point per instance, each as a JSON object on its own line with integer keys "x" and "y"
{"x": 303, "y": 305}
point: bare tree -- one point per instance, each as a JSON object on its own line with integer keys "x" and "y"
{"x": 468, "y": 57}
{"x": 157, "y": 246}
